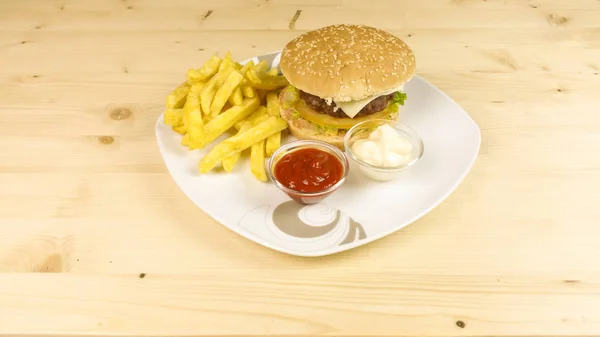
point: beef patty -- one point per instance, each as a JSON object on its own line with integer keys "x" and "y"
{"x": 320, "y": 105}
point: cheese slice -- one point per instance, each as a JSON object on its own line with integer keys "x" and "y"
{"x": 353, "y": 108}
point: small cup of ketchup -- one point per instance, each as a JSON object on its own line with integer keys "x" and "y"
{"x": 308, "y": 171}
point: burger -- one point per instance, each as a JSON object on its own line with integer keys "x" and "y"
{"x": 342, "y": 75}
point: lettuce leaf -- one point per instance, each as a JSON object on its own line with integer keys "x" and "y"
{"x": 393, "y": 107}
{"x": 391, "y": 116}
{"x": 331, "y": 131}
{"x": 399, "y": 97}
{"x": 295, "y": 114}
{"x": 326, "y": 130}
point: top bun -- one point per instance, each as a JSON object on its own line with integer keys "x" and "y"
{"x": 347, "y": 62}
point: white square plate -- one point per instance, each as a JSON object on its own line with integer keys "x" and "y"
{"x": 361, "y": 211}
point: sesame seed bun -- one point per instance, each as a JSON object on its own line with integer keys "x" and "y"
{"x": 347, "y": 62}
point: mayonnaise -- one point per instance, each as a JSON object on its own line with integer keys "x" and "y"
{"x": 384, "y": 147}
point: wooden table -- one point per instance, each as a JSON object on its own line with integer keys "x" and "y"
{"x": 95, "y": 237}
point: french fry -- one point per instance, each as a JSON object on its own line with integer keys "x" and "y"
{"x": 226, "y": 63}
{"x": 240, "y": 142}
{"x": 193, "y": 97}
{"x": 257, "y": 160}
{"x": 208, "y": 69}
{"x": 185, "y": 141}
{"x": 176, "y": 98}
{"x": 196, "y": 134}
{"x": 261, "y": 67}
{"x": 224, "y": 91}
{"x": 227, "y": 119}
{"x": 193, "y": 76}
{"x": 274, "y": 140}
{"x": 266, "y": 82}
{"x": 229, "y": 162}
{"x": 259, "y": 115}
{"x": 273, "y": 103}
{"x": 195, "y": 124}
{"x": 228, "y": 57}
{"x": 246, "y": 66}
{"x": 209, "y": 90}
{"x": 251, "y": 120}
{"x": 273, "y": 72}
{"x": 197, "y": 87}
{"x": 273, "y": 143}
{"x": 259, "y": 119}
{"x": 180, "y": 129}
{"x": 262, "y": 94}
{"x": 236, "y": 97}
{"x": 248, "y": 91}
{"x": 173, "y": 117}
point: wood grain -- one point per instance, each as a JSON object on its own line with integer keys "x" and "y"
{"x": 87, "y": 206}
{"x": 261, "y": 303}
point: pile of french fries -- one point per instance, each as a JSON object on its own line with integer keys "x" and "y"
{"x": 222, "y": 96}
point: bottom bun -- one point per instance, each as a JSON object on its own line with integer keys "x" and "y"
{"x": 303, "y": 129}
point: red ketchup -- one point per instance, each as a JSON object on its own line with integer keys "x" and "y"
{"x": 308, "y": 171}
